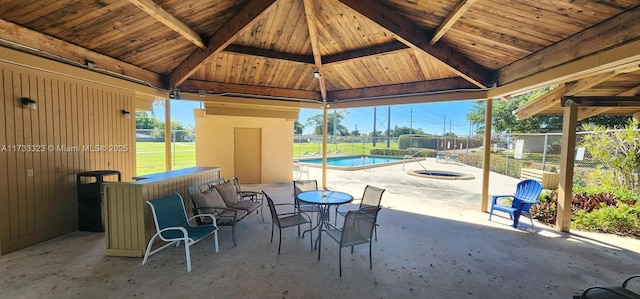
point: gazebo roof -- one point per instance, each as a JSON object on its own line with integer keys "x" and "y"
{"x": 347, "y": 52}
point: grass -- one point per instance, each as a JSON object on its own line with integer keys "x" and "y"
{"x": 150, "y": 156}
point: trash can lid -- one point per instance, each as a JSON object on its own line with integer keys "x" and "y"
{"x": 98, "y": 173}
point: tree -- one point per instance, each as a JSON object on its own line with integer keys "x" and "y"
{"x": 316, "y": 122}
{"x": 298, "y": 127}
{"x": 503, "y": 119}
{"x": 404, "y": 130}
{"x": 147, "y": 121}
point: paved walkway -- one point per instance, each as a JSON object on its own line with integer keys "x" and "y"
{"x": 433, "y": 243}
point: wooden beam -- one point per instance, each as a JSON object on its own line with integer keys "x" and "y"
{"x": 362, "y": 53}
{"x": 587, "y": 112}
{"x": 414, "y": 36}
{"x": 567, "y": 154}
{"x": 621, "y": 56}
{"x": 461, "y": 7}
{"x": 542, "y": 103}
{"x": 411, "y": 99}
{"x": 424, "y": 68}
{"x": 248, "y": 90}
{"x": 587, "y": 83}
{"x": 610, "y": 33}
{"x": 252, "y": 102}
{"x": 169, "y": 20}
{"x": 402, "y": 89}
{"x": 269, "y": 54}
{"x": 310, "y": 14}
{"x": 29, "y": 41}
{"x": 226, "y": 35}
{"x": 601, "y": 101}
{"x": 486, "y": 156}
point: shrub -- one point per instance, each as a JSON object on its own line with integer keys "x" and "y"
{"x": 621, "y": 220}
{"x": 418, "y": 152}
{"x": 599, "y": 212}
{"x": 417, "y": 141}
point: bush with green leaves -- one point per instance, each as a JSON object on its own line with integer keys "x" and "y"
{"x": 598, "y": 212}
{"x": 617, "y": 151}
{"x": 622, "y": 219}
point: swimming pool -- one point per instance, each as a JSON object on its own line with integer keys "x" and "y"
{"x": 353, "y": 162}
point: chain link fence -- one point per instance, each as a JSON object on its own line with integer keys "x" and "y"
{"x": 311, "y": 145}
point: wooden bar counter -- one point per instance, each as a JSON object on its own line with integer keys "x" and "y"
{"x": 128, "y": 219}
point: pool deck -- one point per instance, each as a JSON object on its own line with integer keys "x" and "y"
{"x": 433, "y": 242}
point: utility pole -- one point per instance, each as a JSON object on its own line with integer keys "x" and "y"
{"x": 454, "y": 139}
{"x": 373, "y": 135}
{"x": 411, "y": 126}
{"x": 389, "y": 127}
{"x": 335, "y": 124}
{"x": 444, "y": 129}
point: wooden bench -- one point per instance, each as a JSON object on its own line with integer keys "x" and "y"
{"x": 549, "y": 180}
{"x": 221, "y": 199}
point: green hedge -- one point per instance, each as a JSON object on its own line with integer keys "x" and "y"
{"x": 402, "y": 152}
{"x": 417, "y": 141}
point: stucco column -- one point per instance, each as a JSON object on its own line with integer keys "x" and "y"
{"x": 567, "y": 154}
{"x": 486, "y": 157}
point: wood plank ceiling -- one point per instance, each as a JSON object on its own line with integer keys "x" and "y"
{"x": 360, "y": 49}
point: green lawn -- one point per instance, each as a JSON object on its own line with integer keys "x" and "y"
{"x": 150, "y": 156}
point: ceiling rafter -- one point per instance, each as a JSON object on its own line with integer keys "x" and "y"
{"x": 363, "y": 53}
{"x": 269, "y": 54}
{"x": 592, "y": 111}
{"x": 222, "y": 38}
{"x": 315, "y": 47}
{"x": 461, "y": 7}
{"x": 241, "y": 89}
{"x": 169, "y": 20}
{"x": 413, "y": 36}
{"x": 25, "y": 39}
{"x": 579, "y": 46}
{"x": 549, "y": 99}
{"x": 403, "y": 89}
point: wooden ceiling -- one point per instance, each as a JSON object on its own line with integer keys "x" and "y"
{"x": 363, "y": 50}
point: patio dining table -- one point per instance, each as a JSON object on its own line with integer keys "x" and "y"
{"x": 324, "y": 199}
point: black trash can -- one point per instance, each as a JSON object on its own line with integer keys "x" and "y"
{"x": 90, "y": 216}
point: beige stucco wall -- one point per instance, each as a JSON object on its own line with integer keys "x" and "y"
{"x": 214, "y": 144}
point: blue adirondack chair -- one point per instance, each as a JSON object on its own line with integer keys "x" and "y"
{"x": 527, "y": 192}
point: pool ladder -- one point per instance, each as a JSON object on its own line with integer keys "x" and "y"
{"x": 362, "y": 161}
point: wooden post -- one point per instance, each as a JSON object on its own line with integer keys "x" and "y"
{"x": 567, "y": 154}
{"x": 167, "y": 134}
{"x": 486, "y": 158}
{"x": 324, "y": 145}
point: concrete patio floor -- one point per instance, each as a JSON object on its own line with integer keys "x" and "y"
{"x": 433, "y": 242}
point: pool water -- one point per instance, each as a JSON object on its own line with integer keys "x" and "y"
{"x": 351, "y": 161}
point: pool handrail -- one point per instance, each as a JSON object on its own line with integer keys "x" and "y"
{"x": 411, "y": 157}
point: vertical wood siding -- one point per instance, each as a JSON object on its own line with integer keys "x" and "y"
{"x": 74, "y": 129}
{"x": 129, "y": 221}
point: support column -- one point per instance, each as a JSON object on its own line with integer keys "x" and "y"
{"x": 167, "y": 134}
{"x": 486, "y": 158}
{"x": 325, "y": 116}
{"x": 567, "y": 154}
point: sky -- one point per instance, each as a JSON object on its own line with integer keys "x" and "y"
{"x": 434, "y": 118}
